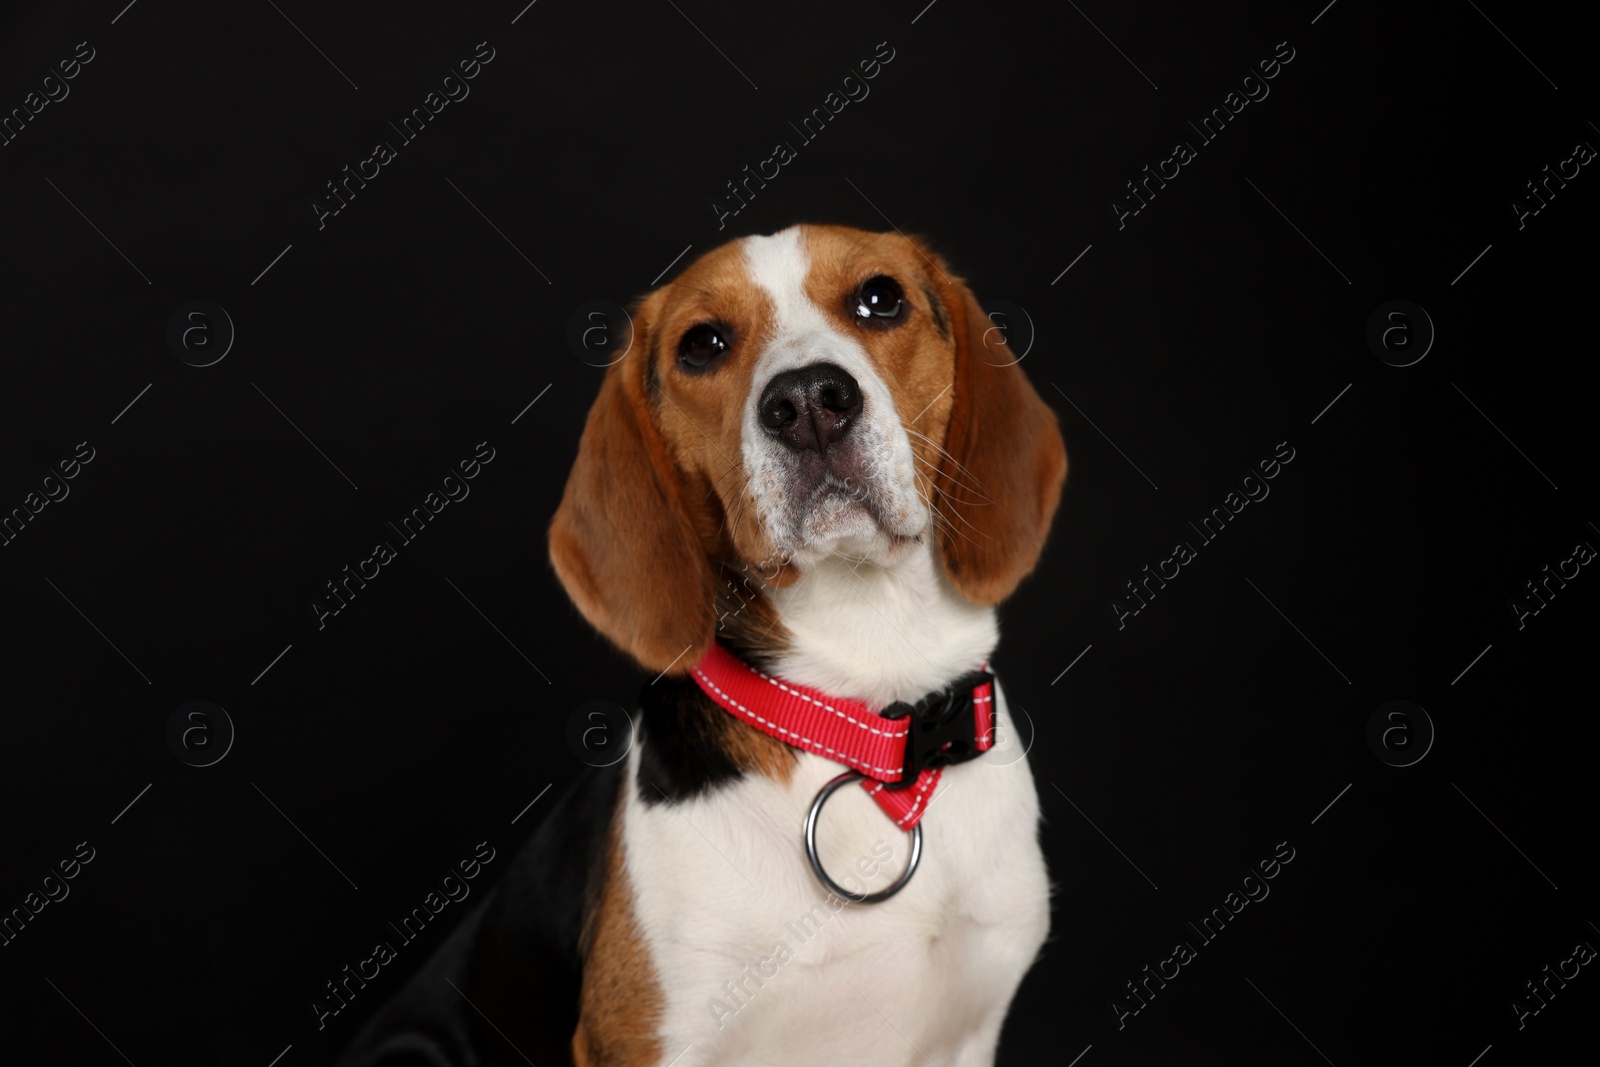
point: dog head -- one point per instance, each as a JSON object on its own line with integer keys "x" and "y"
{"x": 822, "y": 391}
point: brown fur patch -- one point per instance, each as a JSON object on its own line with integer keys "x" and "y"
{"x": 999, "y": 481}
{"x": 758, "y": 753}
{"x": 621, "y": 1001}
{"x": 749, "y": 749}
{"x": 624, "y": 541}
{"x": 748, "y": 624}
{"x": 702, "y": 414}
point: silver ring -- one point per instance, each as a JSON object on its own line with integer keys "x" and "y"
{"x": 816, "y": 864}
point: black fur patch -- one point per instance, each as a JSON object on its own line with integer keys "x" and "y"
{"x": 681, "y": 735}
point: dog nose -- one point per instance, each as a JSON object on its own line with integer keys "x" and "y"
{"x": 810, "y": 408}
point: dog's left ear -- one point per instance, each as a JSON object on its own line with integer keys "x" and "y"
{"x": 1000, "y": 479}
{"x": 622, "y": 542}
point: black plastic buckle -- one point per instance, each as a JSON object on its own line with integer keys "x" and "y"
{"x": 943, "y": 728}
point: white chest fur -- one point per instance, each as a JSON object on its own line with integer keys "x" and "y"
{"x": 760, "y": 965}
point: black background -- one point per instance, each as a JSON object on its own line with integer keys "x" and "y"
{"x": 1196, "y": 338}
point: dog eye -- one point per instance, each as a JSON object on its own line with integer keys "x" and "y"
{"x": 879, "y": 299}
{"x": 701, "y": 345}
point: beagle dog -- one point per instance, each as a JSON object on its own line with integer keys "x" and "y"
{"x": 796, "y": 502}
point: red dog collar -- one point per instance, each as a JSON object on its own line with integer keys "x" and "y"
{"x": 900, "y": 751}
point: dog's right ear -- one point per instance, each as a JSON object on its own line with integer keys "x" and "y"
{"x": 622, "y": 542}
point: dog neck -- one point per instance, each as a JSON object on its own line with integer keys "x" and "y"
{"x": 878, "y": 633}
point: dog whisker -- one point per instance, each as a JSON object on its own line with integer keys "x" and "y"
{"x": 982, "y": 500}
{"x": 939, "y": 516}
{"x": 975, "y": 486}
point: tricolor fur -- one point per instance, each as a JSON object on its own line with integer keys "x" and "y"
{"x": 872, "y": 574}
{"x": 674, "y": 890}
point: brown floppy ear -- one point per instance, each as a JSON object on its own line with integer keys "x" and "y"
{"x": 1000, "y": 481}
{"x": 622, "y": 542}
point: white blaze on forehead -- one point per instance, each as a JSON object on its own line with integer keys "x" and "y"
{"x": 799, "y": 333}
{"x": 779, "y": 265}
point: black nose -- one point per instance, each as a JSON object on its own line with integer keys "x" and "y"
{"x": 810, "y": 408}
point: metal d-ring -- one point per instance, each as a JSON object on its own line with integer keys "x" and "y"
{"x": 816, "y": 864}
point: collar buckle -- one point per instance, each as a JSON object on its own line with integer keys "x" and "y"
{"x": 943, "y": 727}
